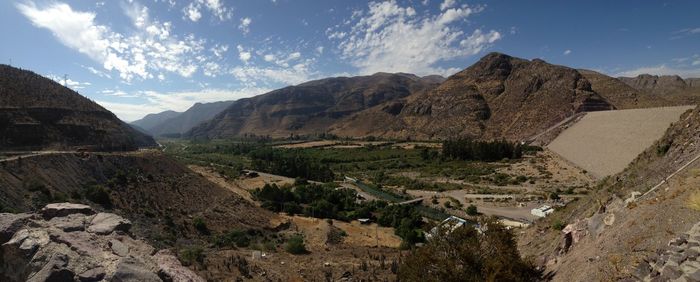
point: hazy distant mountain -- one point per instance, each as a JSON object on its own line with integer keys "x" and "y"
{"x": 36, "y": 113}
{"x": 151, "y": 120}
{"x": 185, "y": 121}
{"x": 311, "y": 107}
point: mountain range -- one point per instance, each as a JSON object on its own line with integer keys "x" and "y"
{"x": 171, "y": 123}
{"x": 38, "y": 113}
{"x": 498, "y": 97}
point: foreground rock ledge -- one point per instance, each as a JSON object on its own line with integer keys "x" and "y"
{"x": 67, "y": 242}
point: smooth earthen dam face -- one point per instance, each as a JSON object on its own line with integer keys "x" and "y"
{"x": 605, "y": 142}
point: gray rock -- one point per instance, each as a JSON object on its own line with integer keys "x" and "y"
{"x": 692, "y": 254}
{"x": 11, "y": 223}
{"x": 106, "y": 223}
{"x": 63, "y": 209}
{"x": 170, "y": 268}
{"x": 694, "y": 277}
{"x": 118, "y": 248}
{"x": 670, "y": 272}
{"x": 131, "y": 270}
{"x": 642, "y": 270}
{"x": 91, "y": 275}
{"x": 54, "y": 270}
{"x": 69, "y": 223}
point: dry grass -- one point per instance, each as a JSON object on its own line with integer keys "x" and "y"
{"x": 694, "y": 201}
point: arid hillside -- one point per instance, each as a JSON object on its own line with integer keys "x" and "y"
{"x": 498, "y": 97}
{"x": 38, "y": 113}
{"x": 312, "y": 107}
{"x": 630, "y": 226}
{"x": 161, "y": 196}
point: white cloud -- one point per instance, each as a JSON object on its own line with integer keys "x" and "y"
{"x": 192, "y": 12}
{"x": 219, "y": 50}
{"x": 150, "y": 49}
{"x": 319, "y": 50}
{"x": 269, "y": 58}
{"x": 567, "y": 52}
{"x": 243, "y": 55}
{"x": 392, "y": 38}
{"x": 661, "y": 70}
{"x": 245, "y": 25}
{"x": 177, "y": 101}
{"x": 72, "y": 84}
{"x": 447, "y": 4}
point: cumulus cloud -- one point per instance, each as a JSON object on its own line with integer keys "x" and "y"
{"x": 72, "y": 84}
{"x": 245, "y": 25}
{"x": 193, "y": 10}
{"x": 389, "y": 37}
{"x": 150, "y": 49}
{"x": 447, "y": 4}
{"x": 567, "y": 52}
{"x": 243, "y": 54}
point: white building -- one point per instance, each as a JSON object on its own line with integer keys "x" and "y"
{"x": 542, "y": 211}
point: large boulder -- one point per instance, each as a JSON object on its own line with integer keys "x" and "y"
{"x": 63, "y": 209}
{"x": 132, "y": 270}
{"x": 170, "y": 268}
{"x": 59, "y": 247}
{"x": 11, "y": 223}
{"x": 105, "y": 223}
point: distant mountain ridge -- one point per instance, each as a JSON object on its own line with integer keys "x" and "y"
{"x": 38, "y": 113}
{"x": 151, "y": 120}
{"x": 312, "y": 107}
{"x": 171, "y": 123}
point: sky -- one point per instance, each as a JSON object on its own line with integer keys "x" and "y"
{"x": 136, "y": 57}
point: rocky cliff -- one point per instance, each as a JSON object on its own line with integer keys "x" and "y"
{"x": 72, "y": 242}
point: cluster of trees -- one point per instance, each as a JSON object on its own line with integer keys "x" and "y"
{"x": 467, "y": 255}
{"x": 468, "y": 149}
{"x": 328, "y": 201}
{"x": 290, "y": 163}
{"x": 315, "y": 200}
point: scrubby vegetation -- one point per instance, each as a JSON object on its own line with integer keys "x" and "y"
{"x": 466, "y": 255}
{"x": 467, "y": 149}
{"x": 295, "y": 245}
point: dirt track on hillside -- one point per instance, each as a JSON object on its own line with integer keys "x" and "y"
{"x": 604, "y": 143}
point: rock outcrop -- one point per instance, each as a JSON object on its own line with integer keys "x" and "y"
{"x": 72, "y": 244}
{"x": 680, "y": 261}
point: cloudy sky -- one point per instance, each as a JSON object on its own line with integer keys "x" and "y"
{"x": 142, "y": 56}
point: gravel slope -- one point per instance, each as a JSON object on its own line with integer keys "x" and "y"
{"x": 605, "y": 142}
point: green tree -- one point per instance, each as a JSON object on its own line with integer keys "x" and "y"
{"x": 467, "y": 255}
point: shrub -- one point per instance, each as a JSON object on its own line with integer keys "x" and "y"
{"x": 295, "y": 245}
{"x": 190, "y": 255}
{"x": 554, "y": 196}
{"x": 472, "y": 210}
{"x": 558, "y": 225}
{"x": 201, "y": 226}
{"x": 98, "y": 195}
{"x": 466, "y": 255}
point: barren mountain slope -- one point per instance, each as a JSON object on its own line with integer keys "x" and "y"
{"x": 497, "y": 97}
{"x": 151, "y": 120}
{"x": 161, "y": 196}
{"x": 310, "y": 107}
{"x": 36, "y": 113}
{"x": 671, "y": 87}
{"x": 622, "y": 95}
{"x": 198, "y": 113}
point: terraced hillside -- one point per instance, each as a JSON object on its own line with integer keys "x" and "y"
{"x": 605, "y": 142}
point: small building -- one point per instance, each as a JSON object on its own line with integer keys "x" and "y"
{"x": 448, "y": 225}
{"x": 542, "y": 211}
{"x": 364, "y": 220}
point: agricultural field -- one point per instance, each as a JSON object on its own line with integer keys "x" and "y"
{"x": 393, "y": 172}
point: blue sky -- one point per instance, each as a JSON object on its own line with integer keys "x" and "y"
{"x": 142, "y": 56}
